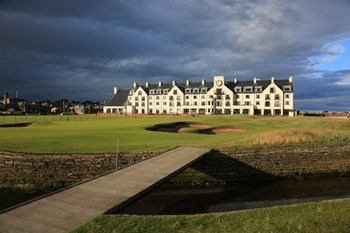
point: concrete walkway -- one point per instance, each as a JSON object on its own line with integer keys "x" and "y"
{"x": 67, "y": 209}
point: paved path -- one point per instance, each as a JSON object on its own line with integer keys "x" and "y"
{"x": 67, "y": 209}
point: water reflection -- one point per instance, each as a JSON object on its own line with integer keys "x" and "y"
{"x": 237, "y": 196}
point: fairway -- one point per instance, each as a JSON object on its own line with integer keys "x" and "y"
{"x": 93, "y": 134}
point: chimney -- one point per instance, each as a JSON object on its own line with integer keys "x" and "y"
{"x": 160, "y": 83}
{"x": 147, "y": 84}
{"x": 174, "y": 83}
{"x": 115, "y": 90}
{"x": 187, "y": 83}
{"x": 135, "y": 84}
{"x": 254, "y": 80}
{"x": 203, "y": 82}
{"x": 272, "y": 79}
{"x": 235, "y": 80}
{"x": 290, "y": 79}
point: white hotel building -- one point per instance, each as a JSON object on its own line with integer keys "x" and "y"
{"x": 255, "y": 97}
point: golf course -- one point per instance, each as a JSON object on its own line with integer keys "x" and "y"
{"x": 99, "y": 134}
{"x": 94, "y": 134}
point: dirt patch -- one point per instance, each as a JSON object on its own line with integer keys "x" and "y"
{"x": 194, "y": 127}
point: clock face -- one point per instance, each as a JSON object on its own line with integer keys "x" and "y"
{"x": 219, "y": 82}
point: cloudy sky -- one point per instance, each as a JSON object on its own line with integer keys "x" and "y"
{"x": 81, "y": 49}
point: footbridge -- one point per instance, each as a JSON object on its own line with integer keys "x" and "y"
{"x": 71, "y": 207}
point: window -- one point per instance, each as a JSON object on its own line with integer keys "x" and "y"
{"x": 150, "y": 103}
{"x": 175, "y": 92}
{"x": 258, "y": 96}
{"x": 164, "y": 97}
{"x": 277, "y": 104}
{"x": 247, "y": 96}
{"x": 237, "y": 103}
{"x": 150, "y": 97}
{"x": 272, "y": 90}
{"x": 131, "y": 92}
{"x": 171, "y": 98}
{"x": 195, "y": 103}
{"x": 227, "y": 97}
{"x": 187, "y": 97}
{"x": 237, "y": 96}
{"x": 136, "y": 98}
{"x": 143, "y": 98}
{"x": 204, "y": 90}
{"x": 195, "y": 97}
{"x": 203, "y": 103}
{"x": 267, "y": 96}
{"x": 187, "y": 103}
{"x": 151, "y": 91}
{"x": 143, "y": 104}
{"x": 267, "y": 103}
{"x": 257, "y": 103}
{"x": 287, "y": 102}
{"x": 277, "y": 97}
{"x": 247, "y": 103}
{"x": 178, "y": 103}
{"x": 165, "y": 91}
{"x": 195, "y": 90}
{"x": 164, "y": 103}
{"x": 287, "y": 96}
{"x": 157, "y": 103}
{"x": 202, "y": 96}
{"x": 157, "y": 97}
{"x": 139, "y": 92}
{"x": 159, "y": 91}
{"x": 188, "y": 90}
{"x": 227, "y": 103}
{"x": 178, "y": 98}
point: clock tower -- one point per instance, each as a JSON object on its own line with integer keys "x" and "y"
{"x": 219, "y": 81}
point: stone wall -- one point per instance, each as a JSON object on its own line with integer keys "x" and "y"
{"x": 296, "y": 160}
{"x": 46, "y": 172}
{"x": 301, "y": 161}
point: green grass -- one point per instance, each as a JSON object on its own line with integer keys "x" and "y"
{"x": 326, "y": 216}
{"x": 84, "y": 134}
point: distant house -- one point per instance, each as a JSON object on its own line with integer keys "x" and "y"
{"x": 255, "y": 97}
{"x": 7, "y": 107}
{"x": 118, "y": 103}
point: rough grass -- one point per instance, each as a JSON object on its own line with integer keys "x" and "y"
{"x": 325, "y": 216}
{"x": 85, "y": 134}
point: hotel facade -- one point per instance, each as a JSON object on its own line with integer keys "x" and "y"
{"x": 255, "y": 97}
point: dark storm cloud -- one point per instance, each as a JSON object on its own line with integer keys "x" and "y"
{"x": 80, "y": 49}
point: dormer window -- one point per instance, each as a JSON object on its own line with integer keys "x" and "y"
{"x": 238, "y": 89}
{"x": 131, "y": 92}
{"x": 159, "y": 91}
{"x": 165, "y": 91}
{"x": 204, "y": 90}
{"x": 248, "y": 89}
{"x": 188, "y": 90}
{"x": 151, "y": 91}
{"x": 195, "y": 90}
{"x": 258, "y": 89}
{"x": 287, "y": 88}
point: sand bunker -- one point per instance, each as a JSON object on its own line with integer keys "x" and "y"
{"x": 194, "y": 127}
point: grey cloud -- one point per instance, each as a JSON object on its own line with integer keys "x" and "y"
{"x": 60, "y": 45}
